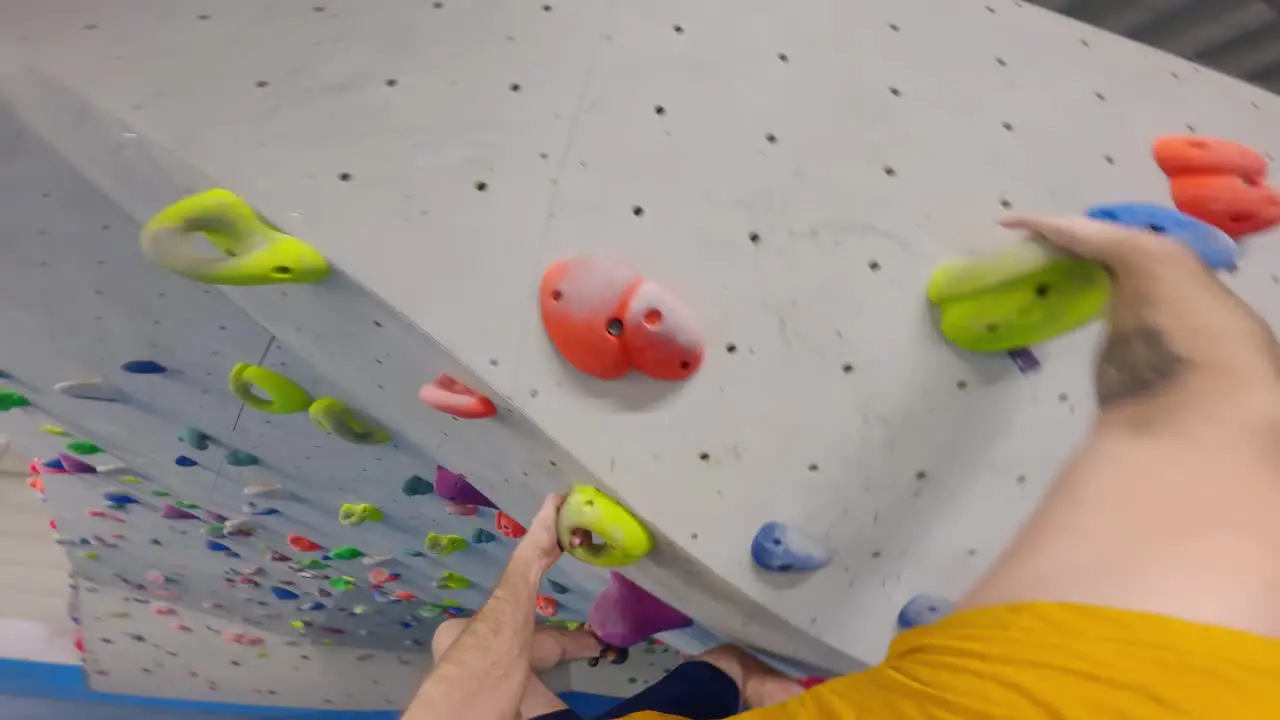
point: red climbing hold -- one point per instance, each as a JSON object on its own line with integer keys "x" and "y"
{"x": 404, "y": 595}
{"x": 1192, "y": 154}
{"x": 1238, "y": 206}
{"x": 453, "y": 398}
{"x": 547, "y": 606}
{"x": 303, "y": 544}
{"x": 605, "y": 319}
{"x": 508, "y": 526}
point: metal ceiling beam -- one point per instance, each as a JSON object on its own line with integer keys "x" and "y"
{"x": 1247, "y": 52}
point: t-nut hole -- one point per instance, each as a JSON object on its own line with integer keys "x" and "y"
{"x": 992, "y": 327}
{"x": 614, "y": 326}
{"x": 1042, "y": 290}
{"x": 556, "y": 295}
{"x": 653, "y": 318}
{"x": 282, "y": 271}
{"x": 1156, "y": 228}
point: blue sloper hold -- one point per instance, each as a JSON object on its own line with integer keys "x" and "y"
{"x": 923, "y": 610}
{"x": 283, "y": 593}
{"x": 782, "y": 548}
{"x": 480, "y": 536}
{"x": 53, "y": 464}
{"x": 216, "y": 546}
{"x": 119, "y": 498}
{"x": 1216, "y": 249}
{"x": 143, "y": 367}
{"x": 241, "y": 458}
{"x": 313, "y": 606}
{"x": 184, "y": 461}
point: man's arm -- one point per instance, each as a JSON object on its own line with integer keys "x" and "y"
{"x": 482, "y": 675}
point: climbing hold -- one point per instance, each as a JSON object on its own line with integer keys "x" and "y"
{"x": 605, "y": 319}
{"x": 283, "y": 593}
{"x": 284, "y": 396}
{"x": 1239, "y": 206}
{"x": 241, "y": 637}
{"x": 429, "y": 610}
{"x": 334, "y": 417}
{"x": 83, "y": 447}
{"x": 184, "y": 461}
{"x": 547, "y": 606}
{"x": 382, "y": 576}
{"x": 313, "y": 564}
{"x": 356, "y": 514}
{"x": 256, "y": 252}
{"x": 156, "y": 577}
{"x": 443, "y": 545}
{"x": 1198, "y": 155}
{"x": 625, "y": 614}
{"x": 172, "y": 512}
{"x": 215, "y": 530}
{"x": 1216, "y": 249}
{"x": 254, "y": 509}
{"x": 480, "y": 536}
{"x": 453, "y": 398}
{"x": 185, "y": 505}
{"x": 163, "y": 609}
{"x": 453, "y": 581}
{"x": 75, "y": 465}
{"x": 36, "y": 482}
{"x": 454, "y": 488}
{"x": 91, "y": 556}
{"x": 182, "y": 628}
{"x": 120, "y": 498}
{"x": 130, "y": 480}
{"x": 342, "y": 583}
{"x": 923, "y": 610}
{"x": 161, "y": 493}
{"x": 413, "y": 552}
{"x": 194, "y": 437}
{"x": 347, "y": 552}
{"x": 461, "y": 510}
{"x": 277, "y": 556}
{"x": 313, "y": 606}
{"x": 302, "y": 544}
{"x": 210, "y": 605}
{"x": 626, "y": 539}
{"x": 782, "y": 548}
{"x": 216, "y": 546}
{"x": 143, "y": 367}
{"x": 90, "y": 389}
{"x": 374, "y": 559}
{"x": 54, "y": 430}
{"x": 556, "y": 587}
{"x": 257, "y": 490}
{"x": 240, "y": 458}
{"x": 416, "y": 485}
{"x": 52, "y": 466}
{"x": 1016, "y": 298}
{"x": 239, "y": 526}
{"x": 508, "y": 526}
{"x": 104, "y": 515}
{"x": 566, "y": 624}
{"x": 10, "y": 400}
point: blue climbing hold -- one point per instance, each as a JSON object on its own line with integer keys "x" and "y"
{"x": 480, "y": 536}
{"x": 408, "y": 624}
{"x": 313, "y": 606}
{"x": 241, "y": 458}
{"x": 383, "y": 596}
{"x": 53, "y": 464}
{"x": 781, "y": 548}
{"x": 923, "y": 610}
{"x": 195, "y": 437}
{"x": 184, "y": 461}
{"x": 1216, "y": 249}
{"x": 283, "y": 593}
{"x": 253, "y": 509}
{"x": 143, "y": 367}
{"x": 216, "y": 546}
{"x": 119, "y": 498}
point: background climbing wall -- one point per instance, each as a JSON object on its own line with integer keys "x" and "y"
{"x": 793, "y": 171}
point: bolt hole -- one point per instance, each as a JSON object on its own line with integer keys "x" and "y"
{"x": 202, "y": 17}
{"x": 344, "y": 177}
{"x": 1008, "y": 126}
{"x": 481, "y": 185}
{"x": 652, "y": 319}
{"x": 847, "y": 368}
{"x": 262, "y": 83}
{"x": 1042, "y": 290}
{"x": 784, "y": 57}
{"x": 771, "y": 138}
{"x": 678, "y": 28}
{"x": 637, "y": 211}
{"x": 1000, "y": 61}
{"x": 888, "y": 170}
{"x": 730, "y": 348}
{"x": 921, "y": 475}
{"x": 556, "y": 295}
{"x": 704, "y": 456}
{"x": 895, "y": 91}
{"x": 1255, "y": 105}
{"x": 895, "y": 27}
{"x": 1100, "y": 96}
{"x": 962, "y": 384}
{"x": 754, "y": 237}
{"x": 391, "y": 82}
{"x": 1084, "y": 42}
{"x": 514, "y": 87}
{"x": 1191, "y": 128}
{"x": 874, "y": 265}
{"x": 1174, "y": 74}
{"x": 813, "y": 467}
{"x": 282, "y": 271}
{"x": 1109, "y": 160}
{"x": 659, "y": 110}
{"x": 614, "y": 326}
{"x": 1006, "y": 204}
{"x": 776, "y": 541}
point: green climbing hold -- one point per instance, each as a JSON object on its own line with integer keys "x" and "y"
{"x": 313, "y": 564}
{"x": 557, "y": 588}
{"x": 417, "y": 485}
{"x": 91, "y": 555}
{"x": 342, "y": 583}
{"x": 414, "y": 553}
{"x": 215, "y": 529}
{"x": 453, "y": 581}
{"x": 443, "y": 545}
{"x": 10, "y": 400}
{"x": 83, "y": 447}
{"x": 241, "y": 458}
{"x": 566, "y": 624}
{"x": 450, "y": 603}
{"x": 431, "y": 610}
{"x": 195, "y": 437}
{"x": 161, "y": 493}
{"x": 346, "y": 552}
{"x": 183, "y": 504}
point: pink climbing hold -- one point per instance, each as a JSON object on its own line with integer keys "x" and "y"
{"x": 242, "y": 637}
{"x": 104, "y": 515}
{"x": 173, "y": 512}
{"x": 462, "y": 510}
{"x": 625, "y": 614}
{"x": 156, "y": 577}
{"x": 162, "y": 609}
{"x": 162, "y": 594}
{"x": 182, "y": 628}
{"x": 75, "y": 465}
{"x": 453, "y": 398}
{"x": 454, "y": 488}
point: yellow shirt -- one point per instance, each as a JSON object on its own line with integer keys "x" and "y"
{"x": 1052, "y": 660}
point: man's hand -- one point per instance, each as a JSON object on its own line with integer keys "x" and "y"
{"x": 541, "y": 545}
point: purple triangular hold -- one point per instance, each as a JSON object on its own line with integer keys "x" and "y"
{"x": 454, "y": 488}
{"x": 626, "y": 614}
{"x": 173, "y": 512}
{"x": 75, "y": 465}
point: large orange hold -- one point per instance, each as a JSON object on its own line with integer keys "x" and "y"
{"x": 1237, "y": 205}
{"x": 1192, "y": 154}
{"x": 605, "y": 319}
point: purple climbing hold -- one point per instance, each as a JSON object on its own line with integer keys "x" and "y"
{"x": 283, "y": 593}
{"x": 184, "y": 461}
{"x": 143, "y": 367}
{"x": 454, "y": 488}
{"x": 173, "y": 512}
{"x": 73, "y": 464}
{"x": 626, "y": 614}
{"x": 216, "y": 546}
{"x": 215, "y": 517}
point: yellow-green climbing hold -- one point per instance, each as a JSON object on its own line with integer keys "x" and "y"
{"x": 336, "y": 418}
{"x": 129, "y": 479}
{"x": 54, "y": 430}
{"x": 453, "y": 581}
{"x": 342, "y": 583}
{"x": 442, "y": 545}
{"x": 83, "y": 447}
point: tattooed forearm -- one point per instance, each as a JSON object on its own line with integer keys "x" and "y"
{"x": 1136, "y": 362}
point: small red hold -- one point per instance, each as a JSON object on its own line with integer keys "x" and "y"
{"x": 508, "y": 526}
{"x": 1196, "y": 155}
{"x": 810, "y": 681}
{"x": 303, "y": 544}
{"x": 53, "y": 524}
{"x": 404, "y": 595}
{"x": 1238, "y": 206}
{"x": 453, "y": 398}
{"x": 547, "y": 606}
{"x": 381, "y": 576}
{"x": 78, "y": 641}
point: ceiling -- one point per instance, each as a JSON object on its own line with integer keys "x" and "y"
{"x": 1238, "y": 37}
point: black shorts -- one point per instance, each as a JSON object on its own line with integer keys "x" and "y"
{"x": 695, "y": 689}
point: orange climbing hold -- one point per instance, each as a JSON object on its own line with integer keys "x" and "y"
{"x": 36, "y": 482}
{"x": 605, "y": 319}
{"x": 1195, "y": 155}
{"x": 453, "y": 398}
{"x": 303, "y": 544}
{"x": 547, "y": 606}
{"x": 508, "y": 526}
{"x": 1236, "y": 205}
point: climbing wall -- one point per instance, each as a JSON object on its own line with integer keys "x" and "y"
{"x": 792, "y": 172}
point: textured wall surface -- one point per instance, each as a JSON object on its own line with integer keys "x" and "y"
{"x": 792, "y": 171}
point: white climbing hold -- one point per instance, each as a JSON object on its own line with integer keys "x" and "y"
{"x": 238, "y": 526}
{"x": 111, "y": 468}
{"x": 257, "y": 490}
{"x": 89, "y": 389}
{"x": 374, "y": 559}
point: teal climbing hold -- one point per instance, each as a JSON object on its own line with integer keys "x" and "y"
{"x": 241, "y": 458}
{"x": 411, "y": 552}
{"x": 83, "y": 447}
{"x": 557, "y": 588}
{"x": 480, "y": 536}
{"x": 10, "y": 400}
{"x": 195, "y": 437}
{"x": 417, "y": 485}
